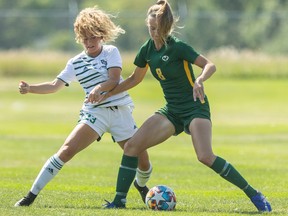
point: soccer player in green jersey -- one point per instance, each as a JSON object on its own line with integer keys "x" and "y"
{"x": 187, "y": 107}
{"x": 97, "y": 69}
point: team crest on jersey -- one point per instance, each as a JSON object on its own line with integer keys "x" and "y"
{"x": 104, "y": 62}
{"x": 165, "y": 58}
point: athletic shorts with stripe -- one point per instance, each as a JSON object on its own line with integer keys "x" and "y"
{"x": 116, "y": 120}
{"x": 181, "y": 118}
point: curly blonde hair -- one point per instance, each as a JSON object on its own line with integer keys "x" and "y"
{"x": 95, "y": 22}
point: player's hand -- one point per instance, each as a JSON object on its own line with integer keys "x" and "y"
{"x": 94, "y": 95}
{"x": 23, "y": 87}
{"x": 103, "y": 97}
{"x": 198, "y": 90}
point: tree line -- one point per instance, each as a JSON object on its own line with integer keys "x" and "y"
{"x": 260, "y": 25}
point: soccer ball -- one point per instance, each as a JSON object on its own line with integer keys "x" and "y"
{"x": 161, "y": 198}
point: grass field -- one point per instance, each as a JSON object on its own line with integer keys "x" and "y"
{"x": 249, "y": 130}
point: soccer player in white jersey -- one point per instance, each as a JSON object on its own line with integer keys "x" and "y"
{"x": 98, "y": 70}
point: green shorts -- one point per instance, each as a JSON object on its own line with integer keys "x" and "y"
{"x": 181, "y": 118}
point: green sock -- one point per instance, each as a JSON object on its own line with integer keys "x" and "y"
{"x": 126, "y": 175}
{"x": 228, "y": 172}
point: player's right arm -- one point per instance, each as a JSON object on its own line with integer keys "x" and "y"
{"x": 134, "y": 79}
{"x": 41, "y": 88}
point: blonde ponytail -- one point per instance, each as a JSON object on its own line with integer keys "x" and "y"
{"x": 162, "y": 12}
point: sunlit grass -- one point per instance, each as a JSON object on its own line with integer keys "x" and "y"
{"x": 249, "y": 130}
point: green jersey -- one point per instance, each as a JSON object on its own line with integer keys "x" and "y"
{"x": 171, "y": 66}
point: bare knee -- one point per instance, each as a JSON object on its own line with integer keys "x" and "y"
{"x": 66, "y": 153}
{"x": 130, "y": 149}
{"x": 206, "y": 159}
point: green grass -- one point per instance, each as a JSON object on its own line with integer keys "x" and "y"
{"x": 249, "y": 130}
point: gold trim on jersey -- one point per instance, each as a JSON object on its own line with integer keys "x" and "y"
{"x": 188, "y": 72}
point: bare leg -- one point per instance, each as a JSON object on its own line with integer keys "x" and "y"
{"x": 201, "y": 134}
{"x": 81, "y": 137}
{"x": 155, "y": 130}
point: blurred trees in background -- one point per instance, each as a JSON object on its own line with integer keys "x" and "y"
{"x": 260, "y": 25}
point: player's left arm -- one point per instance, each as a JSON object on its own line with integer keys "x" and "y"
{"x": 134, "y": 79}
{"x": 114, "y": 78}
{"x": 208, "y": 69}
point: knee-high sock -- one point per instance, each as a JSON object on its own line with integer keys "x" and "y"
{"x": 125, "y": 178}
{"x": 228, "y": 172}
{"x": 48, "y": 171}
{"x": 142, "y": 177}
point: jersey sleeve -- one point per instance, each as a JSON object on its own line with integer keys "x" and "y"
{"x": 187, "y": 52}
{"x": 114, "y": 58}
{"x": 141, "y": 59}
{"x": 67, "y": 75}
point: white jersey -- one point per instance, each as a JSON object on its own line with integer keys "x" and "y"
{"x": 91, "y": 71}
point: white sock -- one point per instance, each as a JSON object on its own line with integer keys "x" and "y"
{"x": 48, "y": 171}
{"x": 142, "y": 177}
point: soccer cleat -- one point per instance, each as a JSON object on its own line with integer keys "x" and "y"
{"x": 27, "y": 200}
{"x": 142, "y": 190}
{"x": 112, "y": 205}
{"x": 261, "y": 203}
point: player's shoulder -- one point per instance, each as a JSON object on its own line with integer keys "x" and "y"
{"x": 109, "y": 48}
{"x": 147, "y": 45}
{"x": 175, "y": 41}
{"x": 178, "y": 44}
{"x": 78, "y": 57}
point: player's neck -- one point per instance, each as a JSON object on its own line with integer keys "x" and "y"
{"x": 158, "y": 45}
